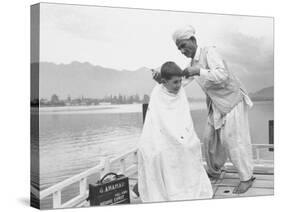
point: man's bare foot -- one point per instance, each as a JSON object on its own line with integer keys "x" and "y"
{"x": 243, "y": 186}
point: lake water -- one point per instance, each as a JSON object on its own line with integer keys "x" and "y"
{"x": 72, "y": 139}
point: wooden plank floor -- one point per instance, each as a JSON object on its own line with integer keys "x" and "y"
{"x": 223, "y": 187}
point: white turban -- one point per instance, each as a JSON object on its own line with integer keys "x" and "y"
{"x": 184, "y": 33}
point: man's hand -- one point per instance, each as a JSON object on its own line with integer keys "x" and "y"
{"x": 156, "y": 76}
{"x": 191, "y": 71}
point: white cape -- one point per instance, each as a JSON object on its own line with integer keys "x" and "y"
{"x": 169, "y": 152}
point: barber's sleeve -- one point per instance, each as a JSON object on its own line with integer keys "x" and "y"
{"x": 217, "y": 72}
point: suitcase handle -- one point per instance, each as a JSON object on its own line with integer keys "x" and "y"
{"x": 108, "y": 174}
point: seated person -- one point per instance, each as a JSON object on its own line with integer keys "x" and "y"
{"x": 169, "y": 151}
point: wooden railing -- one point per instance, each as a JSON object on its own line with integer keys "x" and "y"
{"x": 102, "y": 168}
{"x": 258, "y": 161}
{"x": 105, "y": 166}
{"x": 261, "y": 165}
{"x": 257, "y": 148}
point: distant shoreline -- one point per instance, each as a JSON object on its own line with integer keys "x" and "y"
{"x": 105, "y": 109}
{"x": 114, "y": 105}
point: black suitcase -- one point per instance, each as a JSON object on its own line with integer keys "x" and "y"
{"x": 110, "y": 192}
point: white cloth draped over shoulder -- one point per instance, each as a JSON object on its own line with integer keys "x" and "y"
{"x": 169, "y": 151}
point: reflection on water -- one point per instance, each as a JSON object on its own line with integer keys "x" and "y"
{"x": 74, "y": 140}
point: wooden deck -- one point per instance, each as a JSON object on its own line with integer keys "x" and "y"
{"x": 127, "y": 164}
{"x": 223, "y": 187}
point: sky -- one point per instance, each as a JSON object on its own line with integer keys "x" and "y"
{"x": 127, "y": 39}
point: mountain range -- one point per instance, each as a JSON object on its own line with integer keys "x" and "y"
{"x": 78, "y": 79}
{"x": 263, "y": 94}
{"x": 83, "y": 79}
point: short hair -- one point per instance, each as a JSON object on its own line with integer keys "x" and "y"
{"x": 170, "y": 69}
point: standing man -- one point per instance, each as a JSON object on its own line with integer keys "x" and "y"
{"x": 227, "y": 128}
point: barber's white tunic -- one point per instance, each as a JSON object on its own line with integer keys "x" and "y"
{"x": 170, "y": 160}
{"x": 225, "y": 136}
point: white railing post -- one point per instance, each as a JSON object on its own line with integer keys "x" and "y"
{"x": 123, "y": 166}
{"x": 57, "y": 199}
{"x": 83, "y": 186}
{"x": 258, "y": 154}
{"x": 106, "y": 167}
{"x": 136, "y": 157}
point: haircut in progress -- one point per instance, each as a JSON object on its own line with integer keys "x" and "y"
{"x": 170, "y": 69}
{"x": 142, "y": 105}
